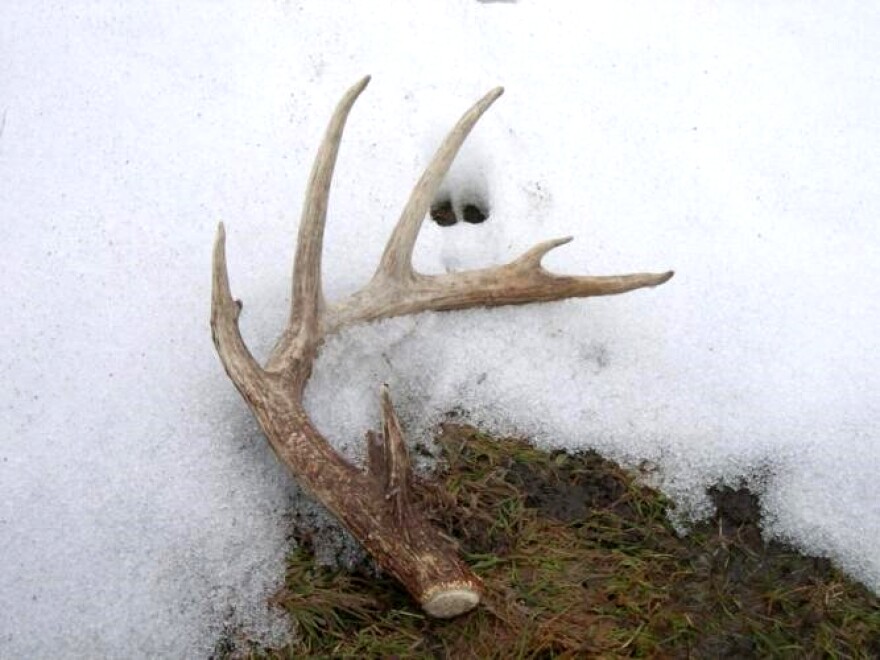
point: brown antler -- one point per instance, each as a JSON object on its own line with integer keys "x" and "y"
{"x": 374, "y": 503}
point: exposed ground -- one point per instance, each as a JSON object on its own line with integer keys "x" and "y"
{"x": 581, "y": 561}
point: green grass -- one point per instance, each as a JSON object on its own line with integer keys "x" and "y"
{"x": 581, "y": 561}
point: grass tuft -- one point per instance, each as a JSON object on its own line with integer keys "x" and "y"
{"x": 579, "y": 560}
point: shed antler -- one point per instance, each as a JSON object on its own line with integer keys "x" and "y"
{"x": 374, "y": 503}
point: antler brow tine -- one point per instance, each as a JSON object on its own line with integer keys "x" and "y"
{"x": 237, "y": 359}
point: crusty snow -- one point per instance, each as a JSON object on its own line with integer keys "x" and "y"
{"x": 141, "y": 511}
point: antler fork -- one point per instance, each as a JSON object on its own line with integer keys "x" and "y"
{"x": 374, "y": 503}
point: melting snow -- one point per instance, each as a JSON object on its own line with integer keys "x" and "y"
{"x": 141, "y": 512}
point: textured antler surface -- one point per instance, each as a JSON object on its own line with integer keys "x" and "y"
{"x": 374, "y": 503}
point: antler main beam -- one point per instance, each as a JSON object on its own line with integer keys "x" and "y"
{"x": 374, "y": 503}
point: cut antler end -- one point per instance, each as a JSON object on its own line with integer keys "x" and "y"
{"x": 445, "y": 601}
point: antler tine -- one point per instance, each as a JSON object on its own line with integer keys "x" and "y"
{"x": 396, "y": 261}
{"x": 241, "y": 366}
{"x": 307, "y": 299}
{"x": 532, "y": 258}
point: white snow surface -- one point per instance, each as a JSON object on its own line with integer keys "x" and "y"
{"x": 141, "y": 510}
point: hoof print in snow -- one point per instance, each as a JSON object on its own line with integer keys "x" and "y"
{"x": 473, "y": 214}
{"x": 443, "y": 214}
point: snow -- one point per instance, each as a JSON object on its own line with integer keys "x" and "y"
{"x": 141, "y": 511}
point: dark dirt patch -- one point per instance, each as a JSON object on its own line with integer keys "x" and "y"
{"x": 575, "y": 487}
